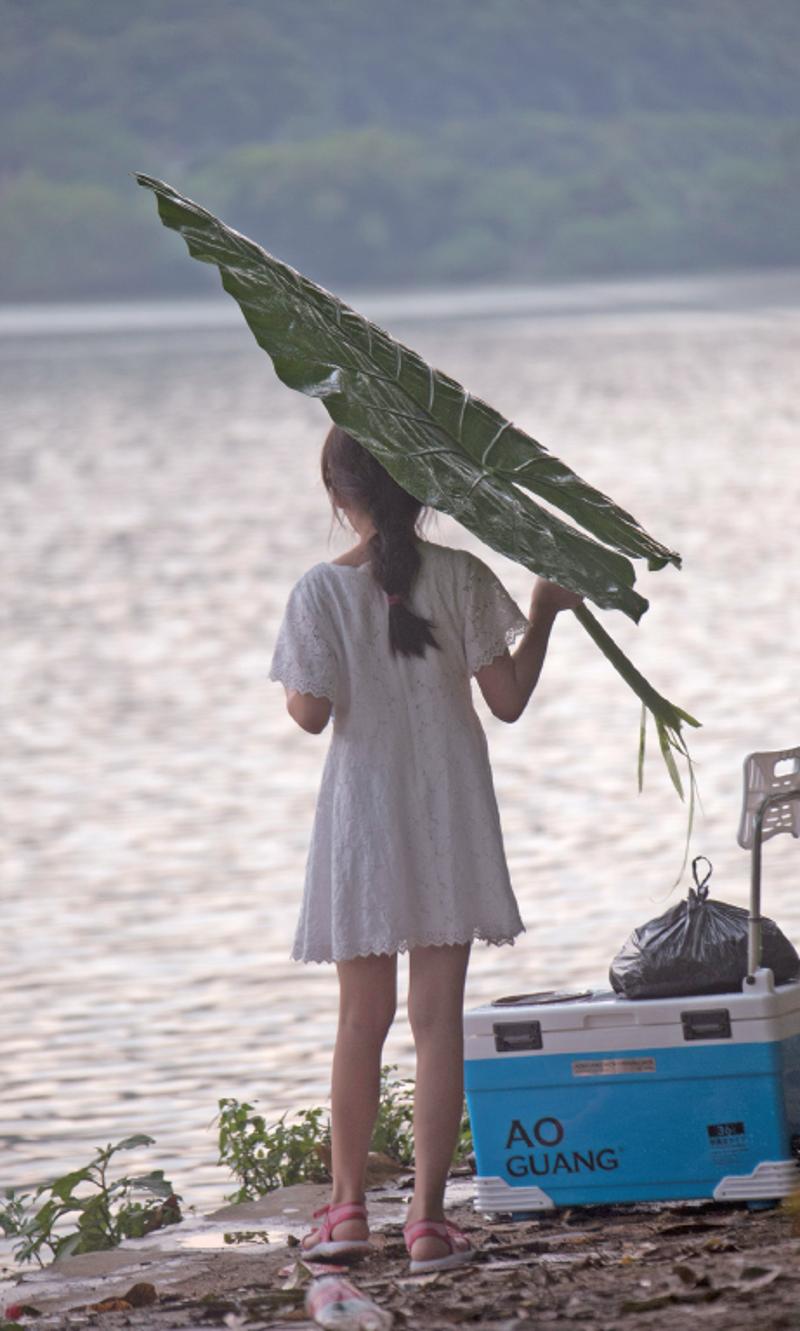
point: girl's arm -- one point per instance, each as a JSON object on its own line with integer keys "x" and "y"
{"x": 508, "y": 681}
{"x": 310, "y": 713}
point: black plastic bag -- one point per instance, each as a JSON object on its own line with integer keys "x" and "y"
{"x": 697, "y": 947}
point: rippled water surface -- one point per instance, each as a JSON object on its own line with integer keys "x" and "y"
{"x": 160, "y": 498}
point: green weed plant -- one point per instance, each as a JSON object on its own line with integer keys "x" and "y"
{"x": 106, "y": 1208}
{"x": 393, "y": 1134}
{"x": 263, "y": 1156}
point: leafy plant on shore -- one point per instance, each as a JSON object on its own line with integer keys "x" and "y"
{"x": 450, "y": 450}
{"x": 393, "y": 1134}
{"x": 464, "y": 1144}
{"x": 105, "y": 1207}
{"x": 394, "y": 1125}
{"x": 263, "y": 1156}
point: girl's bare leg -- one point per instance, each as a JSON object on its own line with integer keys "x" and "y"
{"x": 435, "y": 1010}
{"x": 367, "y": 999}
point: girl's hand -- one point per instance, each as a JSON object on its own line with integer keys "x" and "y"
{"x": 548, "y": 598}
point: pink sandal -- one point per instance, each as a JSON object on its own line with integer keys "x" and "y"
{"x": 321, "y": 1243}
{"x": 461, "y": 1250}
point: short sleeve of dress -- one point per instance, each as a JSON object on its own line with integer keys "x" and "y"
{"x": 304, "y": 658}
{"x": 492, "y": 619}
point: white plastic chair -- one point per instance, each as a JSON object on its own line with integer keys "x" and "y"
{"x": 771, "y": 805}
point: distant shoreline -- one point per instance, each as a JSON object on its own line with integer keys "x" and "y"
{"x": 702, "y": 293}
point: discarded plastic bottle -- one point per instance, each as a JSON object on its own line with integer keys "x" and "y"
{"x": 336, "y": 1304}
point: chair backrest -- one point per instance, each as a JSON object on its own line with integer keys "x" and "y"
{"x": 769, "y": 774}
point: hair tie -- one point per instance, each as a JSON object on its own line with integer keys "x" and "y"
{"x": 394, "y": 600}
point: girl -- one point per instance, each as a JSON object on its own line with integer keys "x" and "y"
{"x": 406, "y": 851}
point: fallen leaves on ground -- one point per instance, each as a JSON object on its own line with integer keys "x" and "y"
{"x": 629, "y": 1267}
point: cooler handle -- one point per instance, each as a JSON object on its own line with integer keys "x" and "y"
{"x": 708, "y": 1024}
{"x": 517, "y": 1037}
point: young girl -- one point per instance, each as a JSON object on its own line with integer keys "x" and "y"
{"x": 406, "y": 851}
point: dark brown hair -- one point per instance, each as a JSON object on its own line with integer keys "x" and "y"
{"x": 353, "y": 476}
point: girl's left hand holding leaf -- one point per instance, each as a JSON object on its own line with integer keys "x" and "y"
{"x": 549, "y": 598}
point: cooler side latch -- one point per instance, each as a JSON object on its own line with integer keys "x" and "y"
{"x": 710, "y": 1024}
{"x": 512, "y": 1037}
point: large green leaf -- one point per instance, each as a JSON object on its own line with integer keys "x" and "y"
{"x": 450, "y": 450}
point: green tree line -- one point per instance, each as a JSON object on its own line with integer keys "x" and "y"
{"x": 375, "y": 142}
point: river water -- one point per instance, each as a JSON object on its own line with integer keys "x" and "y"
{"x": 160, "y": 498}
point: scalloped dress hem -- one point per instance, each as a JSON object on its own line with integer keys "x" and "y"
{"x": 407, "y": 945}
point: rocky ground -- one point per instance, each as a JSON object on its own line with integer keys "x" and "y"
{"x": 650, "y": 1266}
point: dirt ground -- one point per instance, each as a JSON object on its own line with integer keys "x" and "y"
{"x": 652, "y": 1266}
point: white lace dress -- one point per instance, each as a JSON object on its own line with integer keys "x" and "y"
{"x": 406, "y": 849}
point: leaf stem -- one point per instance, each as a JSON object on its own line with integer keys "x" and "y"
{"x": 668, "y": 717}
{"x": 664, "y": 710}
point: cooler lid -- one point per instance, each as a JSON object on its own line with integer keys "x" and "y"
{"x": 602, "y": 1009}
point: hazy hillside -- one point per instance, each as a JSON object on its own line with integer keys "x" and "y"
{"x": 391, "y": 141}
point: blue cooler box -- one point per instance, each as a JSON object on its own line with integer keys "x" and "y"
{"x": 598, "y": 1098}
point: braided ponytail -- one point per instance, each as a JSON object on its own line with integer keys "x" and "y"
{"x": 351, "y": 474}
